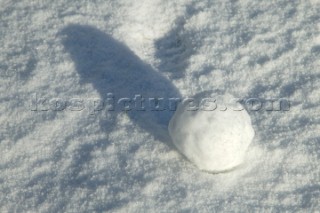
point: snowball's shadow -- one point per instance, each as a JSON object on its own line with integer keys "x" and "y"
{"x": 111, "y": 67}
{"x": 174, "y": 51}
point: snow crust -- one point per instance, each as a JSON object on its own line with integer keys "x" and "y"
{"x": 95, "y": 160}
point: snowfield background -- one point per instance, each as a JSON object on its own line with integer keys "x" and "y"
{"x": 84, "y": 161}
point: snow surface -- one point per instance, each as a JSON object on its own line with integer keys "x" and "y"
{"x": 97, "y": 161}
{"x": 215, "y": 138}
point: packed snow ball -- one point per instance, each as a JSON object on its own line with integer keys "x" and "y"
{"x": 213, "y": 131}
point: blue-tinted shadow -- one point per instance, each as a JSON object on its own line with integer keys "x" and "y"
{"x": 111, "y": 67}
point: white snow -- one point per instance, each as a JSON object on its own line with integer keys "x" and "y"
{"x": 214, "y": 139}
{"x": 97, "y": 160}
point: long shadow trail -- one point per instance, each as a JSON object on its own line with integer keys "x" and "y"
{"x": 111, "y": 67}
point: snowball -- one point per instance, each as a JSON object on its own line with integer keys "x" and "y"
{"x": 214, "y": 136}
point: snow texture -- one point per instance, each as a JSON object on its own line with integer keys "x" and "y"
{"x": 54, "y": 158}
{"x": 216, "y": 140}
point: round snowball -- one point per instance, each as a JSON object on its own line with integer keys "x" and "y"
{"x": 213, "y": 134}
